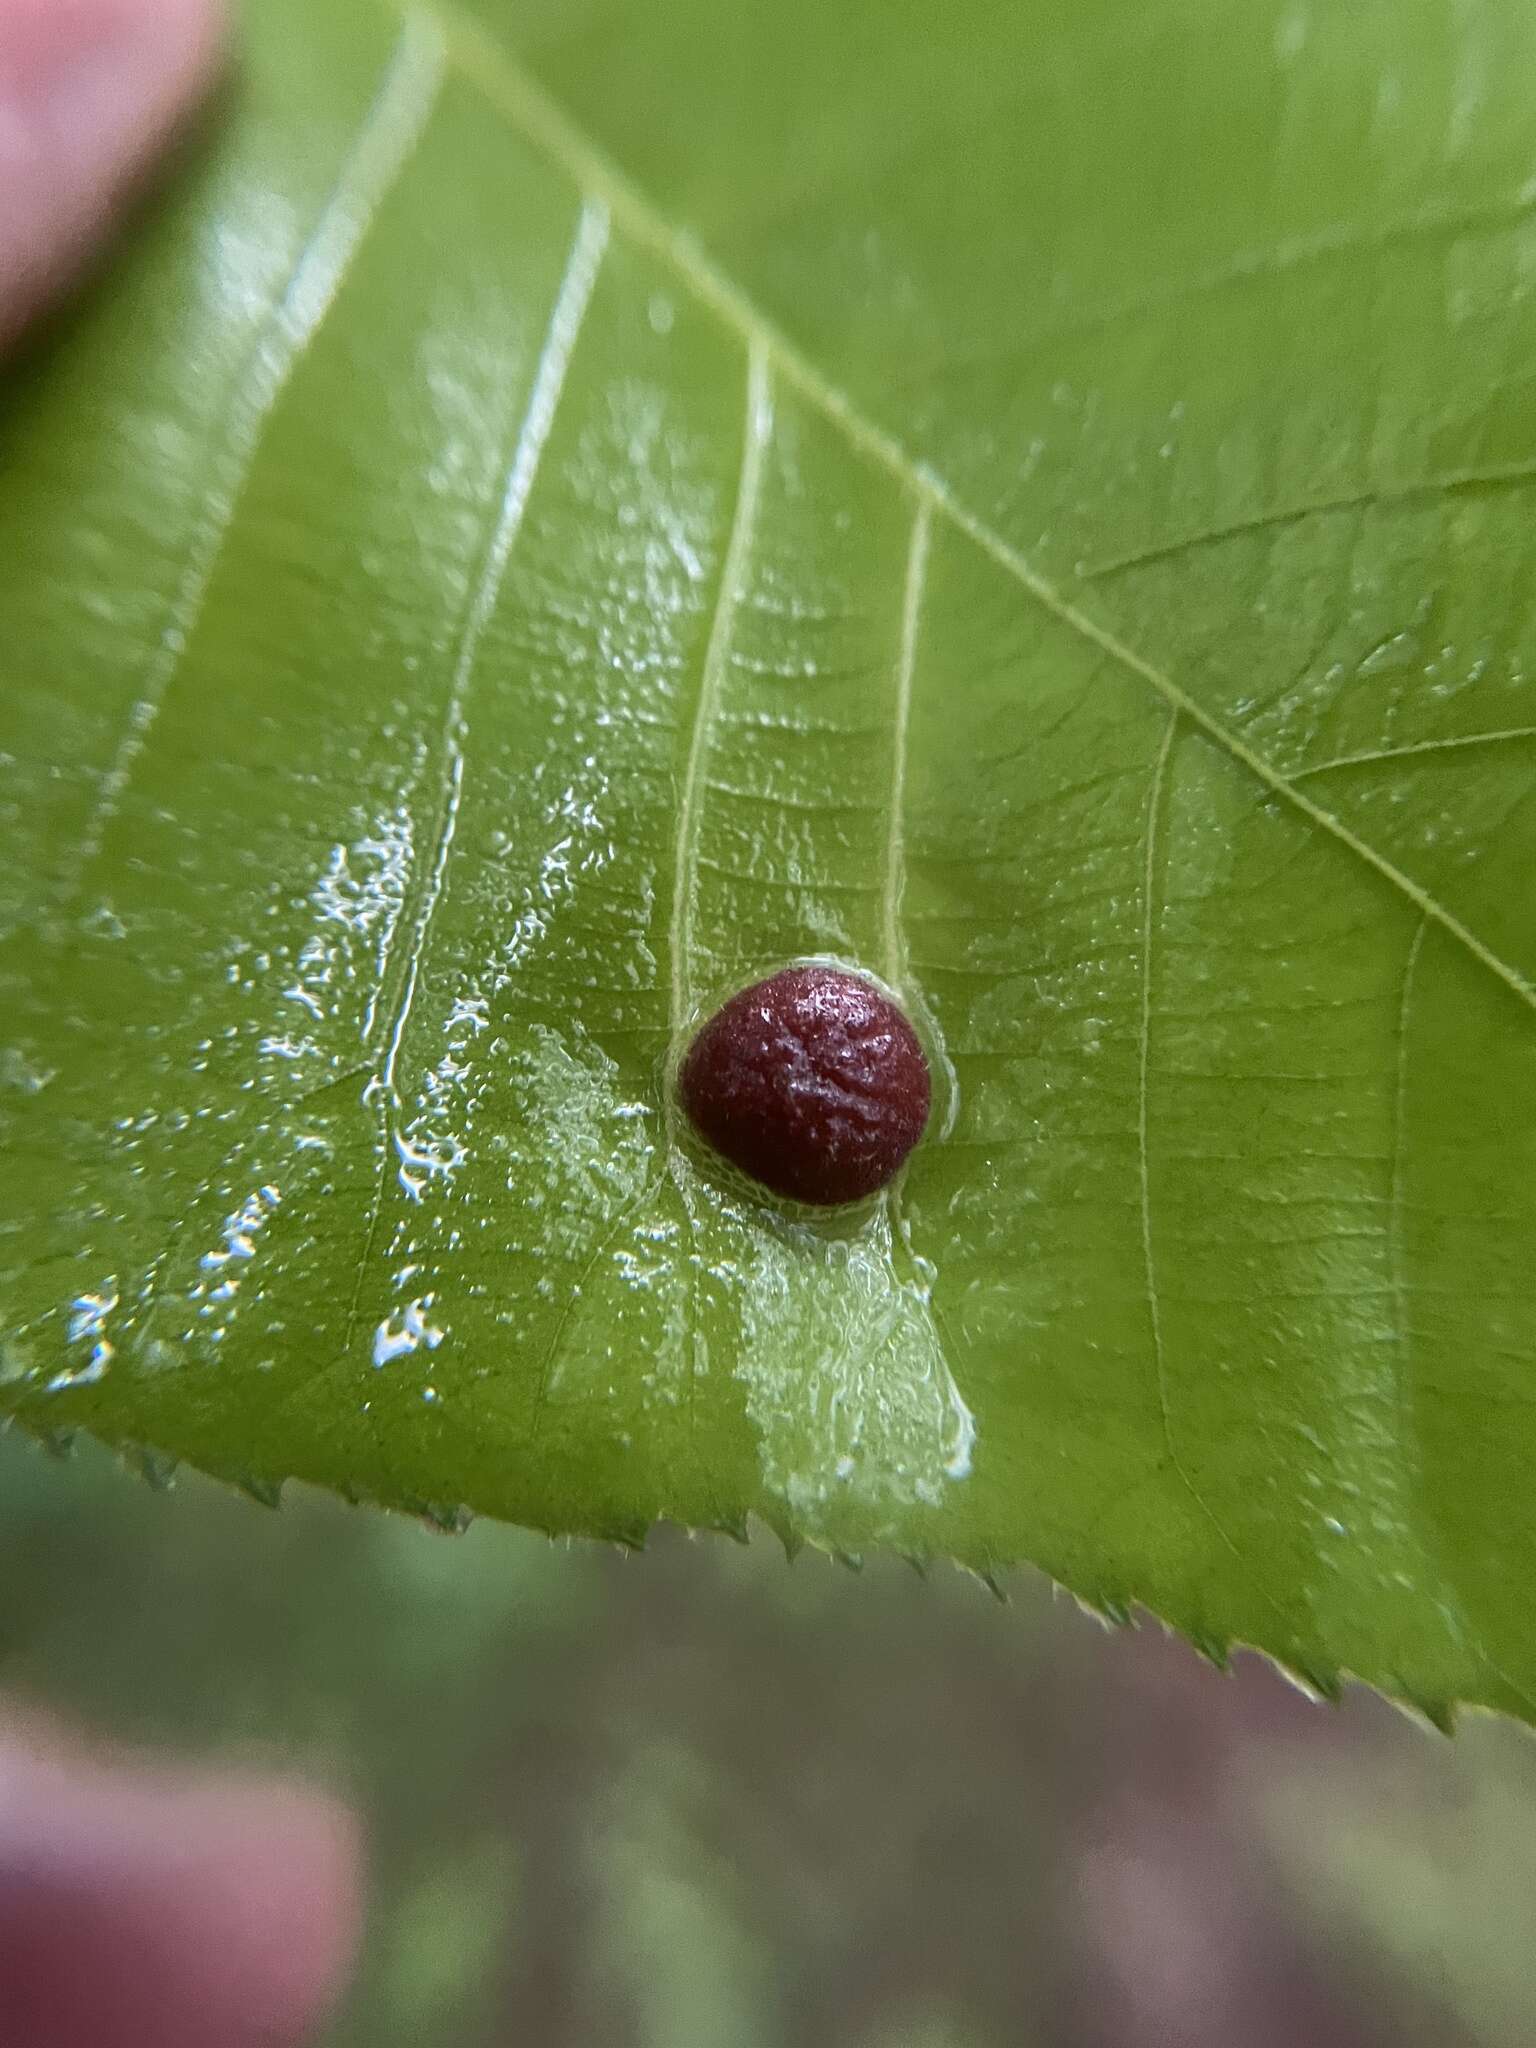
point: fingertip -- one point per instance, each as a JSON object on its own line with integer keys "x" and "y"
{"x": 268, "y": 1874}
{"x": 160, "y": 1908}
{"x": 91, "y": 91}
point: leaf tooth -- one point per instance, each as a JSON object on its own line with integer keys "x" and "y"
{"x": 257, "y": 1486}
{"x": 446, "y": 1518}
{"x": 986, "y": 1575}
{"x": 1325, "y": 1684}
{"x": 1442, "y": 1715}
{"x": 1108, "y": 1607}
{"x": 157, "y": 1468}
{"x": 1215, "y": 1648}
{"x": 1111, "y": 1610}
{"x": 790, "y": 1538}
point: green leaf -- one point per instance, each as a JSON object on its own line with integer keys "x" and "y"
{"x": 576, "y": 505}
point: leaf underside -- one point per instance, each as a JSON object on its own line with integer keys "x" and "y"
{"x": 572, "y": 506}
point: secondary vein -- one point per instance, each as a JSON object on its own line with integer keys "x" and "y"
{"x": 530, "y": 109}
{"x": 384, "y": 145}
{"x": 757, "y": 428}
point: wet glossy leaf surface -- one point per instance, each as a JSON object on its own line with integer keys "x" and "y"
{"x": 573, "y": 507}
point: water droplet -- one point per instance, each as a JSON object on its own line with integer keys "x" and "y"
{"x": 404, "y": 1332}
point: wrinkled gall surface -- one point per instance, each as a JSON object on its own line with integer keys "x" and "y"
{"x": 812, "y": 1082}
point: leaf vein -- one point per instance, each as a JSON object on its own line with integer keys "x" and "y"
{"x": 1426, "y": 490}
{"x": 1156, "y": 796}
{"x": 1439, "y": 746}
{"x": 1395, "y": 1200}
{"x": 524, "y": 102}
{"x": 1397, "y": 1211}
{"x": 1143, "y": 1076}
{"x": 756, "y": 429}
{"x": 384, "y": 144}
{"x": 565, "y": 322}
{"x": 893, "y": 887}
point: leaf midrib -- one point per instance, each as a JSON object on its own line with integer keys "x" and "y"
{"x": 524, "y": 103}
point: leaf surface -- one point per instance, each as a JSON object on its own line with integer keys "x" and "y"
{"x": 575, "y": 506}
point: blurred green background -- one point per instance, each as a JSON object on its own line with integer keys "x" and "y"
{"x": 700, "y": 1798}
